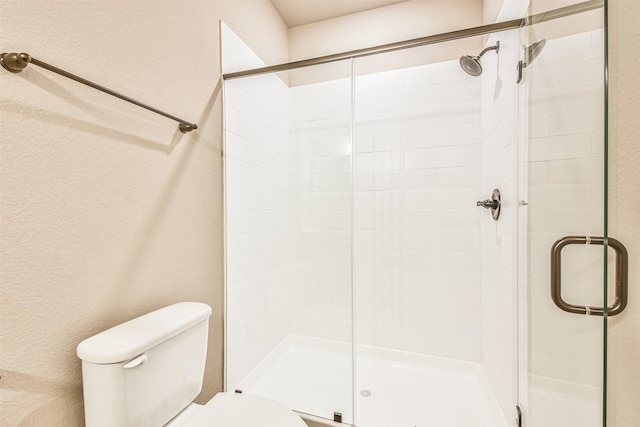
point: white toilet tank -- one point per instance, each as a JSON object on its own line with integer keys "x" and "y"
{"x": 143, "y": 372}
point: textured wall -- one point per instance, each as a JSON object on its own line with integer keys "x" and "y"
{"x": 106, "y": 211}
{"x": 624, "y": 188}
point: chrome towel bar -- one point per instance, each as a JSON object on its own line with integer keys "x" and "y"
{"x": 622, "y": 274}
{"x": 16, "y": 62}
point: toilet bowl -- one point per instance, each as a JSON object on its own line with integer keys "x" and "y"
{"x": 147, "y": 371}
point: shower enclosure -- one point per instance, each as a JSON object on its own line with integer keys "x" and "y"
{"x": 365, "y": 285}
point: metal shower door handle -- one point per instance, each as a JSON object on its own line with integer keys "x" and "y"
{"x": 622, "y": 274}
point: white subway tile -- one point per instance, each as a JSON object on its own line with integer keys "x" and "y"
{"x": 576, "y": 121}
{"x": 575, "y": 171}
{"x": 564, "y": 49}
{"x": 455, "y": 262}
{"x": 458, "y": 241}
{"x": 538, "y": 125}
{"x": 419, "y": 240}
{"x": 583, "y": 70}
{"x": 363, "y": 162}
{"x": 320, "y": 91}
{"x": 560, "y": 196}
{"x": 438, "y": 157}
{"x": 432, "y": 74}
{"x": 400, "y": 100}
{"x": 461, "y": 220}
{"x": 363, "y": 181}
{"x": 419, "y": 280}
{"x": 459, "y": 91}
{"x": 388, "y": 199}
{"x": 466, "y": 134}
{"x": 571, "y": 146}
{"x": 390, "y": 220}
{"x": 388, "y": 160}
{"x": 438, "y": 198}
{"x": 418, "y": 179}
{"x": 538, "y": 173}
{"x": 419, "y": 219}
{"x": 379, "y": 82}
{"x": 363, "y": 143}
{"x": 387, "y": 180}
{"x": 458, "y": 177}
{"x": 465, "y": 283}
{"x": 363, "y": 200}
{"x": 420, "y": 137}
{"x": 574, "y": 96}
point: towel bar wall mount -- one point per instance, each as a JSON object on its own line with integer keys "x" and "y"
{"x": 16, "y": 62}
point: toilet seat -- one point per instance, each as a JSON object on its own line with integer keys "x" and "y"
{"x": 241, "y": 410}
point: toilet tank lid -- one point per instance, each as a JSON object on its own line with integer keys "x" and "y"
{"x": 132, "y": 338}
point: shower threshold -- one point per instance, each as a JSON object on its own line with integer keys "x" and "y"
{"x": 393, "y": 388}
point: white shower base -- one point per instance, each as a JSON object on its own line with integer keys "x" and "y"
{"x": 314, "y": 376}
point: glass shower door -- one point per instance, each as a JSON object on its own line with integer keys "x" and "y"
{"x": 288, "y": 238}
{"x": 427, "y": 296}
{"x": 566, "y": 262}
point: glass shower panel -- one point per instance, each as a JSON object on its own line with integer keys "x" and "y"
{"x": 288, "y": 238}
{"x": 421, "y": 125}
{"x": 563, "y": 188}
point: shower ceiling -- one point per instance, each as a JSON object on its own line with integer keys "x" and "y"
{"x": 300, "y": 12}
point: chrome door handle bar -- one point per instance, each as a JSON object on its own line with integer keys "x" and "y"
{"x": 622, "y": 275}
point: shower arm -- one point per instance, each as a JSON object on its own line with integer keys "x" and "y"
{"x": 487, "y": 49}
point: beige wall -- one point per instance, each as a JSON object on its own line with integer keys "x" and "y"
{"x": 397, "y": 22}
{"x": 106, "y": 211}
{"x": 624, "y": 190}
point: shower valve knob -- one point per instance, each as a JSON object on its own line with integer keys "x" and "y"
{"x": 488, "y": 204}
{"x": 493, "y": 203}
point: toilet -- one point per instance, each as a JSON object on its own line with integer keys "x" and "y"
{"x": 147, "y": 371}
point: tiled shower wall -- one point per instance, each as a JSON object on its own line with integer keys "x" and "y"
{"x": 408, "y": 209}
{"x": 417, "y": 171}
{"x": 499, "y": 132}
{"x": 416, "y": 179}
{"x": 320, "y": 165}
{"x": 258, "y": 211}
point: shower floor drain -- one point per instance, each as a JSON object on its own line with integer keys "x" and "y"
{"x": 365, "y": 393}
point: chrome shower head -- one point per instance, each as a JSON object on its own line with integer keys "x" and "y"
{"x": 532, "y": 51}
{"x": 471, "y": 64}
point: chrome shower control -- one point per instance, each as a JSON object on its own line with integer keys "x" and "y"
{"x": 488, "y": 204}
{"x": 493, "y": 203}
